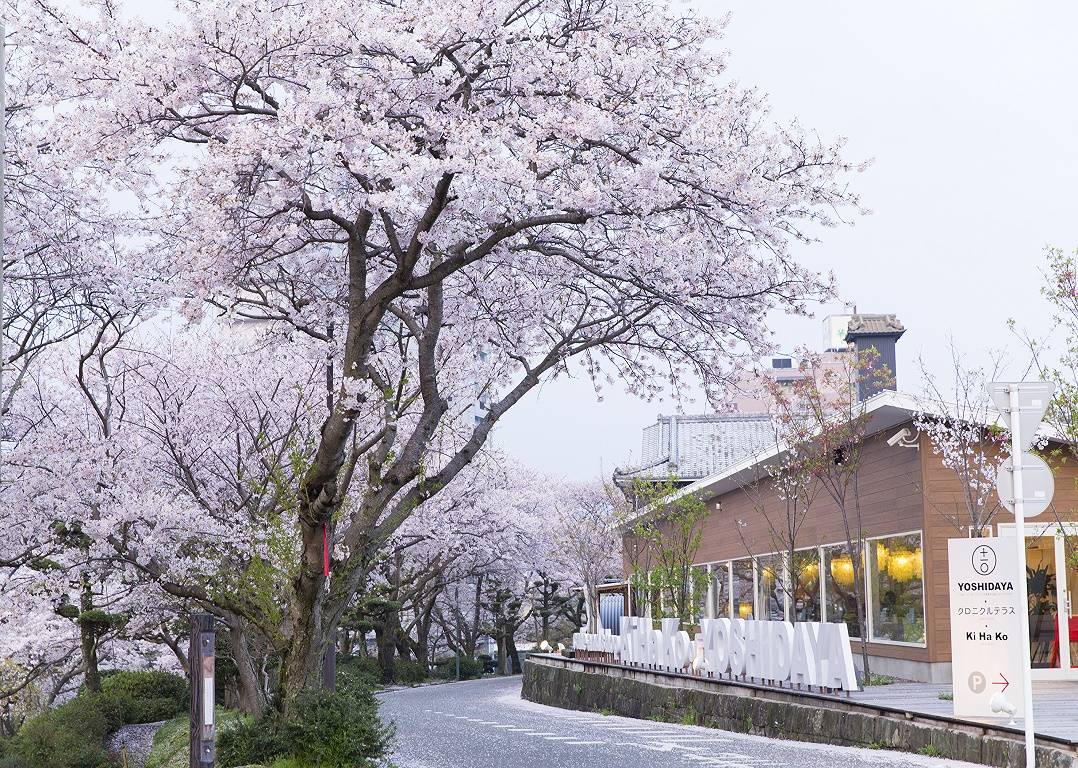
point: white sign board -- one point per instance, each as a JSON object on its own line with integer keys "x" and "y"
{"x": 986, "y": 647}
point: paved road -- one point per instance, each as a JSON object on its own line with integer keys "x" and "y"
{"x": 485, "y": 724}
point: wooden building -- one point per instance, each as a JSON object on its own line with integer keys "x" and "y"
{"x": 910, "y": 506}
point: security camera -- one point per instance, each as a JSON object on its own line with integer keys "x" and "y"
{"x": 903, "y": 438}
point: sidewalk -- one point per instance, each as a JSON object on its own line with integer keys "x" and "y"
{"x": 1055, "y": 704}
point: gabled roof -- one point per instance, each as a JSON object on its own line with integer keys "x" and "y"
{"x": 874, "y": 325}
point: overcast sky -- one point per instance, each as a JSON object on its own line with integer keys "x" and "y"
{"x": 969, "y": 113}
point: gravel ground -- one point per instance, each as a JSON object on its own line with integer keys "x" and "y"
{"x": 138, "y": 739}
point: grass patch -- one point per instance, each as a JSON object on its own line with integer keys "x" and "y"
{"x": 170, "y": 743}
{"x": 930, "y": 750}
{"x": 946, "y": 696}
{"x": 874, "y": 679}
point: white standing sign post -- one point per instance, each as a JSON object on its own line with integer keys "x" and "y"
{"x": 1023, "y": 405}
{"x": 986, "y": 658}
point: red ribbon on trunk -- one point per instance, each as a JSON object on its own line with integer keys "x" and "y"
{"x": 325, "y": 552}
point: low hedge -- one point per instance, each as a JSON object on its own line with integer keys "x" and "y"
{"x": 146, "y": 697}
{"x": 71, "y": 735}
{"x": 410, "y": 672}
{"x": 469, "y": 668}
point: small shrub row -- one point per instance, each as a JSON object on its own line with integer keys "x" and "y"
{"x": 469, "y": 668}
{"x": 409, "y": 672}
{"x": 366, "y": 671}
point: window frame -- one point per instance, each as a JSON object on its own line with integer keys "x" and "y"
{"x": 869, "y": 594}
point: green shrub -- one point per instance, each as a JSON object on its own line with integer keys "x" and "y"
{"x": 146, "y": 697}
{"x": 338, "y": 729}
{"x": 362, "y": 670}
{"x": 469, "y": 668}
{"x": 252, "y": 741}
{"x": 71, "y": 735}
{"x": 410, "y": 672}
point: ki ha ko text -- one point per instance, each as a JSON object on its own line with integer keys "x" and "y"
{"x": 806, "y": 653}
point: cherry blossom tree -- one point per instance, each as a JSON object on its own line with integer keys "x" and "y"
{"x": 586, "y": 540}
{"x": 823, "y": 417}
{"x": 448, "y": 203}
{"x": 962, "y": 426}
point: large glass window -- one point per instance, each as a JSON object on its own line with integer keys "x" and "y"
{"x": 720, "y": 590}
{"x": 839, "y": 588}
{"x": 742, "y": 589}
{"x": 1043, "y": 609}
{"x": 805, "y": 585}
{"x": 898, "y": 589}
{"x": 772, "y": 590}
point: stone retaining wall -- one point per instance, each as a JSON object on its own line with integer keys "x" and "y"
{"x": 786, "y": 714}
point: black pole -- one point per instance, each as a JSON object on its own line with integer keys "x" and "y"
{"x": 200, "y": 663}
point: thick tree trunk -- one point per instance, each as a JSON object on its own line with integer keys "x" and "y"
{"x": 88, "y": 641}
{"x": 91, "y": 674}
{"x": 514, "y": 655}
{"x": 422, "y": 634}
{"x": 387, "y": 646}
{"x": 591, "y": 596}
{"x": 252, "y": 696}
{"x": 301, "y": 662}
{"x": 500, "y": 636}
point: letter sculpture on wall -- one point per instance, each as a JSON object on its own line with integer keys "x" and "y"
{"x": 806, "y": 653}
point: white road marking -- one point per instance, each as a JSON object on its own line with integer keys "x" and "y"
{"x": 585, "y": 743}
{"x": 690, "y": 737}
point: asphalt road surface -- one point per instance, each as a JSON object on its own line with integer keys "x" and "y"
{"x": 485, "y": 724}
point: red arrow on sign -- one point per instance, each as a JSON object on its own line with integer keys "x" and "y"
{"x": 1005, "y": 683}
